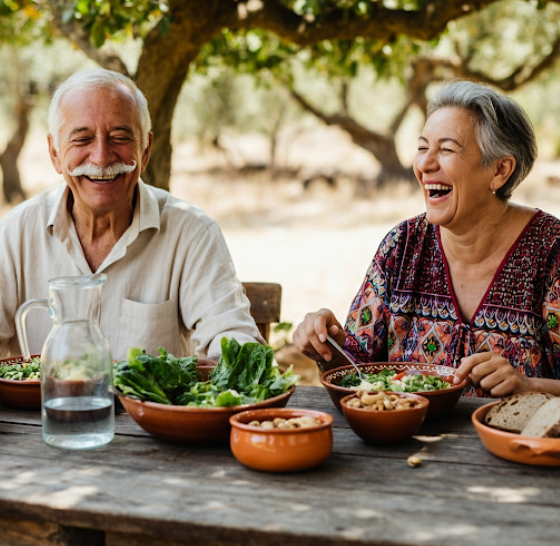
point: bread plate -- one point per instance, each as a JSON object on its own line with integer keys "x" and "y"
{"x": 514, "y": 447}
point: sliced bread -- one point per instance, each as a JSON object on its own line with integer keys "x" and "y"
{"x": 513, "y": 412}
{"x": 545, "y": 422}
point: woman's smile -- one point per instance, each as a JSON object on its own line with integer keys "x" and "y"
{"x": 436, "y": 190}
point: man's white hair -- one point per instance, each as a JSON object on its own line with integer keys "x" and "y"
{"x": 97, "y": 78}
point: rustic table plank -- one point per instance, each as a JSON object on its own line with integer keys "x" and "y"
{"x": 229, "y": 500}
{"x": 138, "y": 488}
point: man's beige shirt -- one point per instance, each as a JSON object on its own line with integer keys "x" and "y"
{"x": 171, "y": 281}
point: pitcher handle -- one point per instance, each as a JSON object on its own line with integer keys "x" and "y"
{"x": 21, "y": 330}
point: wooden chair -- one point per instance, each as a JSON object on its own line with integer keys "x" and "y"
{"x": 265, "y": 299}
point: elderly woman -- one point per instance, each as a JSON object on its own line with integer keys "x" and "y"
{"x": 474, "y": 283}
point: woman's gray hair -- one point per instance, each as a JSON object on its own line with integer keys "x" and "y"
{"x": 502, "y": 127}
{"x": 97, "y": 78}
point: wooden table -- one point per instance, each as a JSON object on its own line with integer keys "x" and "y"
{"x": 141, "y": 491}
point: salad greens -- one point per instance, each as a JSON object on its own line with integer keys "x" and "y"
{"x": 21, "y": 372}
{"x": 245, "y": 374}
{"x": 389, "y": 380}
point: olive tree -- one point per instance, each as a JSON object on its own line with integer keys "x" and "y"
{"x": 173, "y": 32}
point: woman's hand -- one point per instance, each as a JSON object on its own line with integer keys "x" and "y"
{"x": 311, "y": 335}
{"x": 493, "y": 374}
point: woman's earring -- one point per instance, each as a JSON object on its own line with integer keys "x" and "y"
{"x": 493, "y": 190}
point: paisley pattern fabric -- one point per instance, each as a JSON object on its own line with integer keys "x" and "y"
{"x": 406, "y": 310}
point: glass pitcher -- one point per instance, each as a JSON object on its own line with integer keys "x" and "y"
{"x": 76, "y": 367}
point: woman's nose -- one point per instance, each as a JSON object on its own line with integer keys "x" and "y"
{"x": 427, "y": 161}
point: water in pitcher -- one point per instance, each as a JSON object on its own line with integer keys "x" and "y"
{"x": 78, "y": 422}
{"x": 77, "y": 409}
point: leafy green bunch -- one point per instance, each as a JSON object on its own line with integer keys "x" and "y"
{"x": 250, "y": 370}
{"x": 245, "y": 374}
{"x": 156, "y": 378}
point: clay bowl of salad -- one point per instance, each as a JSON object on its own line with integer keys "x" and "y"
{"x": 281, "y": 439}
{"x": 429, "y": 380}
{"x": 20, "y": 382}
{"x": 176, "y": 400}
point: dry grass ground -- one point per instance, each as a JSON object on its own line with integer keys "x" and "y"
{"x": 318, "y": 243}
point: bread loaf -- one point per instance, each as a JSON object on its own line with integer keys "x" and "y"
{"x": 513, "y": 412}
{"x": 545, "y": 422}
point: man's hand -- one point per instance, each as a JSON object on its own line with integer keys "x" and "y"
{"x": 493, "y": 374}
{"x": 310, "y": 337}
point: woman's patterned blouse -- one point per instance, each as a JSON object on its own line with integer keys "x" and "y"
{"x": 406, "y": 310}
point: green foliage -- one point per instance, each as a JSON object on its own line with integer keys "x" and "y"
{"x": 363, "y": 8}
{"x": 23, "y": 22}
{"x": 504, "y": 36}
{"x": 264, "y": 54}
{"x": 117, "y": 19}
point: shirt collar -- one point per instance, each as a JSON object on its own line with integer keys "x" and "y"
{"x": 59, "y": 218}
{"x": 146, "y": 215}
{"x": 149, "y": 208}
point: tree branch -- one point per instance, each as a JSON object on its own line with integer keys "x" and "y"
{"x": 75, "y": 32}
{"x": 358, "y": 133}
{"x": 514, "y": 80}
{"x": 384, "y": 24}
{"x": 518, "y": 77}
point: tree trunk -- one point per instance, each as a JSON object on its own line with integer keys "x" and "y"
{"x": 163, "y": 68}
{"x": 383, "y": 148}
{"x": 12, "y": 188}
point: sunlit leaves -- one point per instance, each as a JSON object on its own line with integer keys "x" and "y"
{"x": 364, "y": 8}
{"x": 23, "y": 21}
{"x": 115, "y": 19}
{"x": 262, "y": 53}
{"x": 253, "y": 52}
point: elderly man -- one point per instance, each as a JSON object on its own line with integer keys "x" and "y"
{"x": 171, "y": 281}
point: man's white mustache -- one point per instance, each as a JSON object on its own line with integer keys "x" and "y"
{"x": 95, "y": 171}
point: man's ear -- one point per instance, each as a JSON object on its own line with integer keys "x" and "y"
{"x": 504, "y": 168}
{"x": 54, "y": 154}
{"x": 146, "y": 152}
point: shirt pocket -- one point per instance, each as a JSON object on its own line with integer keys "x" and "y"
{"x": 149, "y": 326}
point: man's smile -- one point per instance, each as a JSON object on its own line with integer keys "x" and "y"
{"x": 102, "y": 179}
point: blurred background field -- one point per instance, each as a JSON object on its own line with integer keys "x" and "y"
{"x": 300, "y": 148}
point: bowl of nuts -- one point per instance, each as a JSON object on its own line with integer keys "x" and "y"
{"x": 384, "y": 418}
{"x": 281, "y": 439}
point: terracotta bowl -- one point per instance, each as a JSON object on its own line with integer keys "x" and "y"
{"x": 386, "y": 427}
{"x": 190, "y": 424}
{"x": 20, "y": 394}
{"x": 442, "y": 402}
{"x": 277, "y": 450}
{"x": 514, "y": 447}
